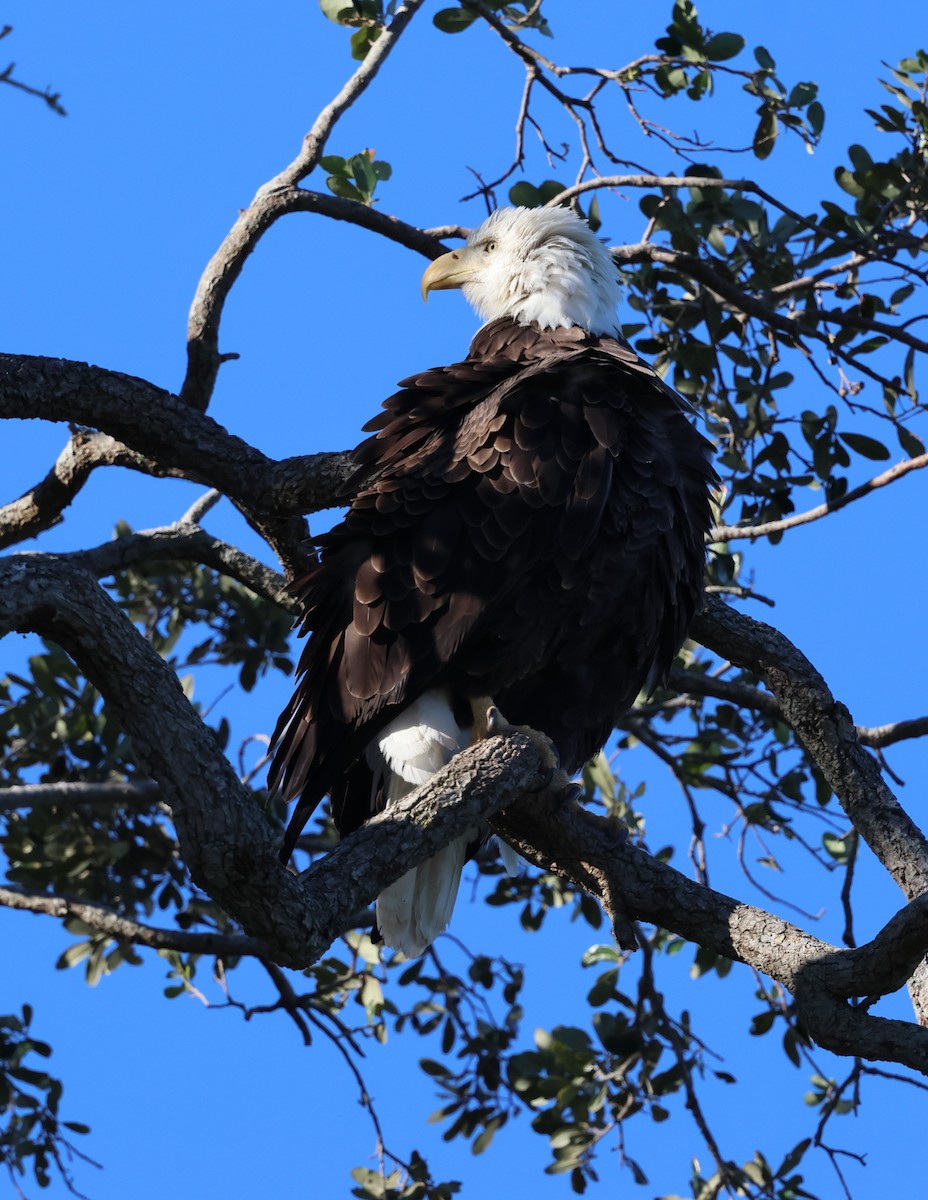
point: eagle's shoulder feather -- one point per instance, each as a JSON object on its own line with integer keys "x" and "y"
{"x": 512, "y": 515}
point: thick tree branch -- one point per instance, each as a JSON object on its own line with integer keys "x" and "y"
{"x": 42, "y": 506}
{"x": 231, "y": 849}
{"x": 226, "y": 264}
{"x": 581, "y": 845}
{"x": 161, "y": 429}
{"x": 827, "y": 732}
{"x": 229, "y": 846}
{"x": 825, "y": 729}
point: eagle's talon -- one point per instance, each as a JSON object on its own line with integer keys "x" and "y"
{"x": 496, "y": 722}
{"x": 569, "y": 793}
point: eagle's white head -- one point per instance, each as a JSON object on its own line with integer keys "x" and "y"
{"x": 542, "y": 265}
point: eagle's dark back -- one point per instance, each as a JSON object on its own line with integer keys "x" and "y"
{"x": 528, "y": 524}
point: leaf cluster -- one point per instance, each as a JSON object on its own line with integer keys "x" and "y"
{"x": 355, "y": 178}
{"x": 519, "y": 16}
{"x": 33, "y": 1137}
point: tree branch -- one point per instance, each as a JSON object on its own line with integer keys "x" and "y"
{"x": 42, "y": 506}
{"x": 745, "y": 696}
{"x": 731, "y": 533}
{"x": 825, "y": 729}
{"x": 183, "y": 542}
{"x": 174, "y": 439}
{"x": 230, "y": 848}
{"x": 142, "y": 793}
{"x": 52, "y": 99}
{"x": 253, "y": 222}
{"x": 103, "y": 920}
{"x": 579, "y": 845}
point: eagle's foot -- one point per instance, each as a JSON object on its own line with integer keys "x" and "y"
{"x": 570, "y": 792}
{"x": 493, "y": 722}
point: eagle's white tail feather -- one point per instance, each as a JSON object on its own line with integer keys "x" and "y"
{"x": 512, "y": 859}
{"x": 412, "y": 912}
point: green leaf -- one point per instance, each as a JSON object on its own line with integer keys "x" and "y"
{"x": 836, "y": 846}
{"x": 436, "y": 1069}
{"x": 362, "y": 39}
{"x": 757, "y": 1173}
{"x": 815, "y": 115}
{"x": 910, "y": 374}
{"x": 802, "y": 94}
{"x": 341, "y": 12}
{"x": 341, "y": 187}
{"x": 454, "y": 20}
{"x": 524, "y": 195}
{"x": 76, "y": 1126}
{"x": 598, "y": 776}
{"x": 600, "y": 953}
{"x": 593, "y": 217}
{"x": 363, "y": 173}
{"x": 912, "y": 445}
{"x": 867, "y": 446}
{"x": 793, "y": 1159}
{"x": 549, "y": 189}
{"x": 762, "y": 1023}
{"x": 722, "y": 46}
{"x": 766, "y": 134}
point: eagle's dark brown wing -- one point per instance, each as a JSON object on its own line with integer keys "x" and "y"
{"x": 527, "y": 524}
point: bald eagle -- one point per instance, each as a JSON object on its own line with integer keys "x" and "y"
{"x": 526, "y": 529}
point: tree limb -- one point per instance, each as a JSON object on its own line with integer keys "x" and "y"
{"x": 104, "y": 920}
{"x": 226, "y": 264}
{"x": 731, "y": 533}
{"x": 144, "y": 793}
{"x": 173, "y": 439}
{"x": 228, "y": 845}
{"x": 42, "y": 506}
{"x": 825, "y": 729}
{"x": 578, "y": 844}
{"x": 230, "y": 848}
{"x": 186, "y": 543}
{"x": 744, "y": 696}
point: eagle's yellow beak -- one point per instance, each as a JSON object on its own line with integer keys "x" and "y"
{"x": 451, "y": 270}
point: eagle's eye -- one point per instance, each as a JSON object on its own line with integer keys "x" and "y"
{"x": 489, "y": 247}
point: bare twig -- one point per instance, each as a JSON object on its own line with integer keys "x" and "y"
{"x": 52, "y": 99}
{"x": 103, "y": 920}
{"x": 731, "y": 533}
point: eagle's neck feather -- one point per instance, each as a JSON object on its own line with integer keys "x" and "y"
{"x": 548, "y": 270}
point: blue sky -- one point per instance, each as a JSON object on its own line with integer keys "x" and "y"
{"x": 177, "y": 113}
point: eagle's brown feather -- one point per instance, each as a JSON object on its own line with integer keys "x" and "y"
{"x": 527, "y": 524}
